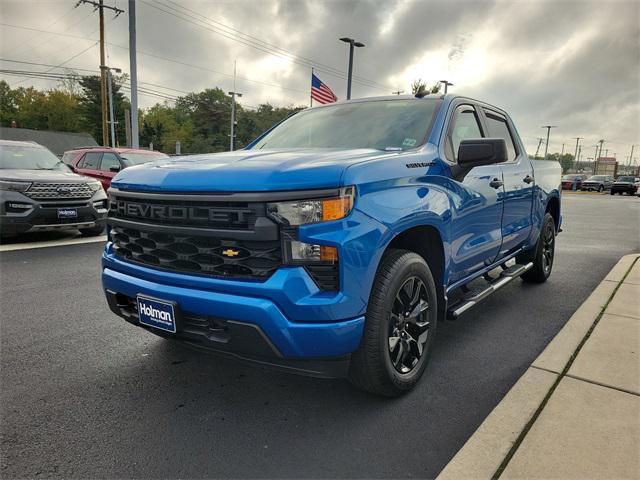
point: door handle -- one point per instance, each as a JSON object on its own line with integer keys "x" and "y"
{"x": 495, "y": 183}
{"x": 527, "y": 179}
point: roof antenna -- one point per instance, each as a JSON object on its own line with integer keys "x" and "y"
{"x": 422, "y": 92}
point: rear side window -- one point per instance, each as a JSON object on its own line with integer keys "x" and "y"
{"x": 498, "y": 128}
{"x": 109, "y": 160}
{"x": 91, "y": 161}
{"x": 464, "y": 125}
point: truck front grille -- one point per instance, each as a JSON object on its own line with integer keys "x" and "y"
{"x": 56, "y": 191}
{"x": 202, "y": 254}
{"x": 189, "y": 213}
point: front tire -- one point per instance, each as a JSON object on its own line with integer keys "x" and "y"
{"x": 399, "y": 326}
{"x": 542, "y": 256}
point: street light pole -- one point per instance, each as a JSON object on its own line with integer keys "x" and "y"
{"x": 112, "y": 119}
{"x": 352, "y": 43}
{"x": 446, "y": 84}
{"x": 546, "y": 146}
{"x": 133, "y": 71}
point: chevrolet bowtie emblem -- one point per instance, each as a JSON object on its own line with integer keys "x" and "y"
{"x": 229, "y": 252}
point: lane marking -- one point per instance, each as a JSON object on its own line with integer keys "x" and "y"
{"x": 52, "y": 243}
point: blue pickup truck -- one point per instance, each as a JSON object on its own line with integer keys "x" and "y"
{"x": 335, "y": 242}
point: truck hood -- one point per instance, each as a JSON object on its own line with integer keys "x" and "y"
{"x": 54, "y": 176}
{"x": 245, "y": 170}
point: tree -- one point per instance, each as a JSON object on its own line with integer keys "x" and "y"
{"x": 91, "y": 106}
{"x": 419, "y": 86}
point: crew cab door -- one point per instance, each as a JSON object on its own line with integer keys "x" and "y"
{"x": 109, "y": 161}
{"x": 518, "y": 177}
{"x": 89, "y": 165}
{"x": 477, "y": 200}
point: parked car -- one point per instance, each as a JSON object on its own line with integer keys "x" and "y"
{"x": 103, "y": 163}
{"x": 335, "y": 242}
{"x": 598, "y": 183}
{"x": 569, "y": 180}
{"x": 38, "y": 192}
{"x": 624, "y": 184}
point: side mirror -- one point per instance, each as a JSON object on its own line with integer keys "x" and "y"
{"x": 114, "y": 168}
{"x": 481, "y": 151}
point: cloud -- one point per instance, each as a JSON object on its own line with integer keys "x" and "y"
{"x": 574, "y": 64}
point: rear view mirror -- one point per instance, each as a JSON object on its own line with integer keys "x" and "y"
{"x": 481, "y": 151}
{"x": 114, "y": 168}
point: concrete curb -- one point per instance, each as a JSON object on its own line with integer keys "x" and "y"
{"x": 492, "y": 444}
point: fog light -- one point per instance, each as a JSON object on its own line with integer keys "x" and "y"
{"x": 20, "y": 206}
{"x": 99, "y": 205}
{"x": 307, "y": 252}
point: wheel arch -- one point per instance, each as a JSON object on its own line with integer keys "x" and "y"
{"x": 553, "y": 208}
{"x": 426, "y": 240}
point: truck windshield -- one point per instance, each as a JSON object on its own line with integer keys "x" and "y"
{"x": 382, "y": 124}
{"x": 29, "y": 158}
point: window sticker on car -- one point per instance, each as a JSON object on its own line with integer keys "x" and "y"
{"x": 409, "y": 142}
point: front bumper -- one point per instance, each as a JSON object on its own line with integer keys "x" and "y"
{"x": 43, "y": 215}
{"x": 624, "y": 188}
{"x": 248, "y": 327}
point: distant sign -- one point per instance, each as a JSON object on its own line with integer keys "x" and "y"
{"x": 608, "y": 160}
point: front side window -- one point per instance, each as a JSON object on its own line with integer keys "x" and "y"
{"x": 133, "y": 158}
{"x": 381, "y": 124}
{"x": 92, "y": 161}
{"x": 109, "y": 160}
{"x": 498, "y": 128}
{"x": 464, "y": 125}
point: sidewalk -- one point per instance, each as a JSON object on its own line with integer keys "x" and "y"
{"x": 575, "y": 413}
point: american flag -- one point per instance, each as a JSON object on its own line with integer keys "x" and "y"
{"x": 320, "y": 92}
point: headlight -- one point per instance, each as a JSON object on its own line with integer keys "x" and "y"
{"x": 15, "y": 186}
{"x": 301, "y": 212}
{"x": 94, "y": 186}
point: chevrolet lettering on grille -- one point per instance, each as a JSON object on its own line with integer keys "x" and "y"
{"x": 176, "y": 212}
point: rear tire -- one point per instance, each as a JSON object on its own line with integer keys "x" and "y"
{"x": 400, "y": 326}
{"x": 600, "y": 189}
{"x": 542, "y": 256}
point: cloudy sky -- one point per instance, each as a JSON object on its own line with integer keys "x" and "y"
{"x": 574, "y": 64}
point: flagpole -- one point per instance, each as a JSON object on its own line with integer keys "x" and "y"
{"x": 311, "y": 91}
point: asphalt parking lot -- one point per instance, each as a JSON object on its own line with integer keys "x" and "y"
{"x": 86, "y": 395}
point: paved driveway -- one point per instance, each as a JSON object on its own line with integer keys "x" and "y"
{"x": 86, "y": 395}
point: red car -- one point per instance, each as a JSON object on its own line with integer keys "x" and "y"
{"x": 567, "y": 181}
{"x": 104, "y": 163}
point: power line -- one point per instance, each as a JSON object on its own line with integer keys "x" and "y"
{"x": 168, "y": 59}
{"x": 284, "y": 51}
{"x": 261, "y": 47}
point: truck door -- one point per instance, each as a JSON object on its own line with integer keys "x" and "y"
{"x": 519, "y": 183}
{"x": 477, "y": 201}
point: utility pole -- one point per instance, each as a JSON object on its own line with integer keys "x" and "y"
{"x": 446, "y": 84}
{"x": 398, "y": 92}
{"x": 546, "y": 146}
{"x": 601, "y": 142}
{"x": 575, "y": 155}
{"x": 538, "y": 149}
{"x": 232, "y": 140}
{"x": 99, "y": 5}
{"x": 352, "y": 43}
{"x": 579, "y": 155}
{"x": 631, "y": 155}
{"x": 133, "y": 71}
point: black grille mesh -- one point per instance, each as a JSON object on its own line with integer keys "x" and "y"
{"x": 198, "y": 253}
